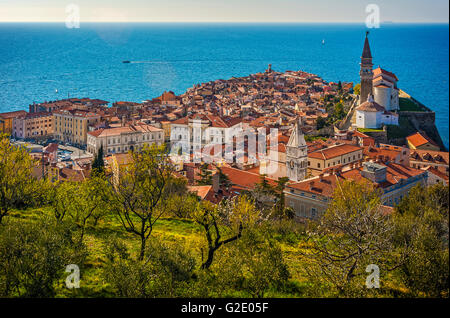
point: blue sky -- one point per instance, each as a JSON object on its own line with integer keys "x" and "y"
{"x": 225, "y": 10}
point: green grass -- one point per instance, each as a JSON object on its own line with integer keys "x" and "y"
{"x": 309, "y": 138}
{"x": 408, "y": 105}
{"x": 403, "y": 130}
{"x": 366, "y": 130}
{"x": 175, "y": 231}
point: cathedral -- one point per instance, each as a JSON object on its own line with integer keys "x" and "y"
{"x": 379, "y": 97}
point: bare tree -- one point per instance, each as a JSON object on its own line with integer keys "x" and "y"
{"x": 140, "y": 191}
{"x": 224, "y": 223}
{"x": 352, "y": 234}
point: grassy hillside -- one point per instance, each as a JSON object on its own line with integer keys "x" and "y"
{"x": 182, "y": 232}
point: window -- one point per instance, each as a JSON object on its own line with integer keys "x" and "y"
{"x": 318, "y": 165}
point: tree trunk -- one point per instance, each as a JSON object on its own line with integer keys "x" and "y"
{"x": 209, "y": 260}
{"x": 143, "y": 243}
{"x": 2, "y": 214}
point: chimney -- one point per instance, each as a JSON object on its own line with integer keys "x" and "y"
{"x": 374, "y": 172}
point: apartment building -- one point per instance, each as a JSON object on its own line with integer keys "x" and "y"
{"x": 33, "y": 125}
{"x": 310, "y": 198}
{"x": 123, "y": 139}
{"x": 337, "y": 155}
{"x": 72, "y": 125}
{"x": 6, "y": 120}
{"x": 194, "y": 132}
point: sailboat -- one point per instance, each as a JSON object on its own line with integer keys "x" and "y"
{"x": 323, "y": 42}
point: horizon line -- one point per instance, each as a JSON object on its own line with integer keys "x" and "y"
{"x": 240, "y": 22}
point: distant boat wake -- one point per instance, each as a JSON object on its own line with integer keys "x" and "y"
{"x": 206, "y": 61}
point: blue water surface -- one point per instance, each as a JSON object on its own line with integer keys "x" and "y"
{"x": 36, "y": 59}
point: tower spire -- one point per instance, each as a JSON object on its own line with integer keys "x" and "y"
{"x": 367, "y": 54}
{"x": 366, "y": 72}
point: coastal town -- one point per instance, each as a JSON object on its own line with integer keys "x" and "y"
{"x": 313, "y": 133}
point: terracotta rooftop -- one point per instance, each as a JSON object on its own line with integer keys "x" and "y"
{"x": 325, "y": 185}
{"x": 420, "y": 138}
{"x": 370, "y": 106}
{"x": 379, "y": 72}
{"x": 430, "y": 156}
{"x": 13, "y": 114}
{"x": 333, "y": 151}
{"x": 244, "y": 179}
{"x": 128, "y": 129}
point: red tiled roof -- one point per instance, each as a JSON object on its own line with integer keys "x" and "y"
{"x": 418, "y": 139}
{"x": 438, "y": 173}
{"x": 379, "y": 72}
{"x": 334, "y": 151}
{"x": 370, "y": 107}
{"x": 244, "y": 179}
{"x": 13, "y": 114}
{"x": 394, "y": 173}
{"x": 420, "y": 155}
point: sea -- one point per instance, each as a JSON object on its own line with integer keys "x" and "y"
{"x": 48, "y": 61}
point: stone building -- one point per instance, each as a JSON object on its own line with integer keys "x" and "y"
{"x": 310, "y": 198}
{"x": 33, "y": 125}
{"x": 6, "y": 121}
{"x": 73, "y": 125}
{"x": 123, "y": 139}
{"x": 337, "y": 155}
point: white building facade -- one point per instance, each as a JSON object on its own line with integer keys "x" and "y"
{"x": 124, "y": 139}
{"x": 374, "y": 116}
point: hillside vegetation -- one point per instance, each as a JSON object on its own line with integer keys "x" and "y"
{"x": 139, "y": 233}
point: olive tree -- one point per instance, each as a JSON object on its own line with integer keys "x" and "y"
{"x": 352, "y": 234}
{"x": 17, "y": 183}
{"x": 421, "y": 228}
{"x": 224, "y": 223}
{"x": 34, "y": 256}
{"x": 139, "y": 192}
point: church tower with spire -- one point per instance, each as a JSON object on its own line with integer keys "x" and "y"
{"x": 297, "y": 155}
{"x": 366, "y": 72}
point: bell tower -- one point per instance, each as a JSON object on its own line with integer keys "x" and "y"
{"x": 297, "y": 155}
{"x": 366, "y": 72}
